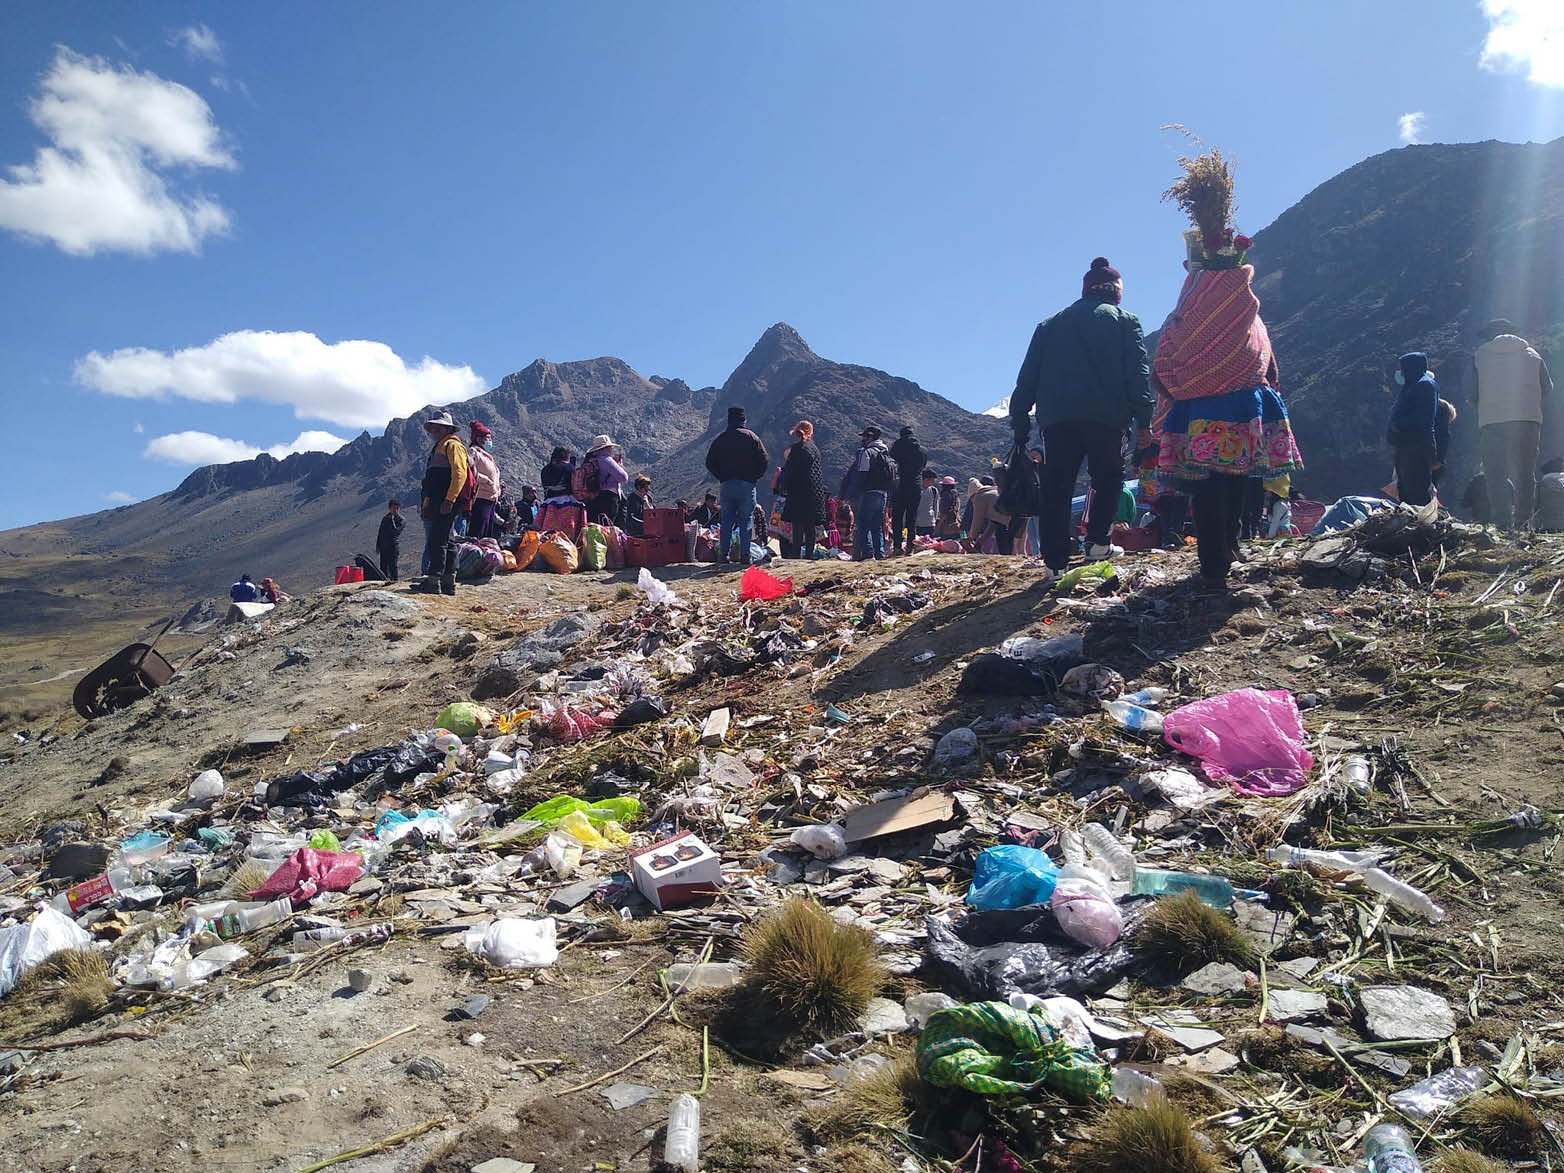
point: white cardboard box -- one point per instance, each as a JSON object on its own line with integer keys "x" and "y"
{"x": 675, "y": 871}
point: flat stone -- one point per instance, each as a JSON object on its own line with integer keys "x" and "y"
{"x": 887, "y": 871}
{"x": 503, "y": 1165}
{"x": 957, "y": 751}
{"x": 1216, "y": 1061}
{"x": 424, "y": 1067}
{"x": 1191, "y": 1038}
{"x": 727, "y": 772}
{"x": 627, "y": 1095}
{"x": 275, "y": 993}
{"x": 573, "y": 895}
{"x": 284, "y": 1095}
{"x": 1267, "y": 928}
{"x": 1291, "y": 1005}
{"x": 884, "y": 1017}
{"x": 1217, "y": 978}
{"x": 1406, "y": 1012}
{"x": 1299, "y": 967}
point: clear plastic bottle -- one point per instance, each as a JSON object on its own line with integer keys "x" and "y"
{"x": 1212, "y": 890}
{"x": 1346, "y": 861}
{"x": 1357, "y": 770}
{"x": 1135, "y": 1088}
{"x": 1147, "y": 698}
{"x": 94, "y": 891}
{"x": 1120, "y": 860}
{"x": 1405, "y": 895}
{"x": 1072, "y": 848}
{"x": 1389, "y": 1150}
{"x": 1133, "y": 716}
{"x": 682, "y": 1147}
{"x": 307, "y": 939}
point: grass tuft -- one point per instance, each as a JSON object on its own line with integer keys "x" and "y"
{"x": 1465, "y": 1160}
{"x": 856, "y": 1158}
{"x": 747, "y": 1145}
{"x": 809, "y": 969}
{"x": 1182, "y": 934}
{"x": 246, "y": 878}
{"x": 72, "y": 986}
{"x": 885, "y": 1098}
{"x": 1503, "y": 1123}
{"x": 1158, "y": 1138}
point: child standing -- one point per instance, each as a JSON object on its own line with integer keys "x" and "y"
{"x": 388, "y": 542}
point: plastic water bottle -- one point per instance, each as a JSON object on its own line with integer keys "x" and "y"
{"x": 1135, "y": 1088}
{"x": 1118, "y": 857}
{"x": 1357, "y": 770}
{"x": 682, "y": 1148}
{"x": 1147, "y": 698}
{"x": 1405, "y": 895}
{"x": 94, "y": 891}
{"x": 1212, "y": 890}
{"x": 1345, "y": 861}
{"x": 1133, "y": 716}
{"x": 1072, "y": 847}
{"x": 1389, "y": 1150}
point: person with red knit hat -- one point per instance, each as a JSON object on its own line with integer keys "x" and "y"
{"x": 487, "y": 473}
{"x": 1087, "y": 376}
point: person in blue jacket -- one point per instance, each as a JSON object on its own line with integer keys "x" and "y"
{"x": 1411, "y": 430}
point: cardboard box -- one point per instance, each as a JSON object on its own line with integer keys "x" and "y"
{"x": 675, "y": 871}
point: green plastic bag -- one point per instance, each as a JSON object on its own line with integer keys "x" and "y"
{"x": 324, "y": 840}
{"x": 464, "y": 718}
{"x": 994, "y": 1049}
{"x": 1097, "y": 570}
{"x": 617, "y": 810}
{"x": 594, "y": 548}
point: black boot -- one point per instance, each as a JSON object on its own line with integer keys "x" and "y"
{"x": 448, "y": 584}
{"x": 428, "y": 585}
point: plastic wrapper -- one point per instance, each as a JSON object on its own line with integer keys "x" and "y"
{"x": 324, "y": 840}
{"x": 24, "y": 946}
{"x": 1024, "y": 666}
{"x": 464, "y": 718}
{"x": 655, "y": 590}
{"x": 1011, "y": 876}
{"x": 429, "y": 826}
{"x": 514, "y": 943}
{"x": 1438, "y": 1093}
{"x": 611, "y": 835}
{"x": 306, "y": 872}
{"x": 823, "y": 841}
{"x": 571, "y": 723}
{"x": 1099, "y": 572}
{"x": 1086, "y": 912}
{"x": 1250, "y": 739}
{"x": 996, "y": 953}
{"x": 759, "y": 583}
{"x": 619, "y": 810}
{"x": 994, "y": 1049}
{"x": 207, "y": 787}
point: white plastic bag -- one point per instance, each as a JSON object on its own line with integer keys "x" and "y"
{"x": 654, "y": 589}
{"x": 1086, "y": 912}
{"x": 24, "y": 946}
{"x": 208, "y": 785}
{"x": 823, "y": 841}
{"x": 513, "y": 943}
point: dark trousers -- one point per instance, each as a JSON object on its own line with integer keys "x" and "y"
{"x": 1068, "y": 443}
{"x": 804, "y": 535}
{"x": 1172, "y": 510}
{"x": 481, "y": 524}
{"x": 1218, "y": 503}
{"x": 904, "y": 519}
{"x": 439, "y": 544}
{"x": 1252, "y": 516}
{"x": 1414, "y": 473}
{"x": 604, "y": 509}
{"x": 388, "y": 563}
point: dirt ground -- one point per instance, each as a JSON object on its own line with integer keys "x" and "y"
{"x": 1462, "y": 684}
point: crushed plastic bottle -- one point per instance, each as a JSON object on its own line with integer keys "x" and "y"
{"x": 682, "y": 1148}
{"x": 1390, "y": 1150}
{"x": 1135, "y": 1088}
{"x": 1147, "y": 698}
{"x": 1403, "y": 894}
{"x": 1072, "y": 848}
{"x": 1103, "y": 843}
{"x": 1357, "y": 771}
{"x": 1133, "y": 716}
{"x": 1345, "y": 861}
{"x": 1212, "y": 890}
{"x": 714, "y": 975}
{"x": 94, "y": 891}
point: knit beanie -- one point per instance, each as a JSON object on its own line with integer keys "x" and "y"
{"x": 736, "y": 417}
{"x": 1102, "y": 281}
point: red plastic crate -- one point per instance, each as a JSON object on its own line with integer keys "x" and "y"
{"x": 664, "y": 523}
{"x": 652, "y": 552}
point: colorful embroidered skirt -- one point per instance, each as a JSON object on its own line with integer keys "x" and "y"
{"x": 1242, "y": 433}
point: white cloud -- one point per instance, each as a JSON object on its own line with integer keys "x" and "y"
{"x": 118, "y": 497}
{"x": 1411, "y": 126}
{"x": 1525, "y": 36}
{"x": 137, "y": 428}
{"x": 354, "y": 383}
{"x": 196, "y": 448}
{"x": 198, "y": 42}
{"x": 100, "y": 185}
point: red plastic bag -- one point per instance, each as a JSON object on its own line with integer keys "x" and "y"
{"x": 1250, "y": 739}
{"x": 758, "y": 583}
{"x": 307, "y": 872}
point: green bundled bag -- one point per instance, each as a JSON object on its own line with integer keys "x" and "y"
{"x": 617, "y": 810}
{"x": 996, "y": 1050}
{"x": 594, "y": 548}
{"x": 464, "y": 718}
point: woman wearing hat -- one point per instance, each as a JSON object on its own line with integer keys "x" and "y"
{"x": 482, "y": 524}
{"x": 445, "y": 483}
{"x": 949, "y": 524}
{"x": 599, "y": 482}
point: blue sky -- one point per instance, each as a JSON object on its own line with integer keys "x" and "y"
{"x": 234, "y": 228}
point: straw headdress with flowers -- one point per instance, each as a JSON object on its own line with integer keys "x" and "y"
{"x": 1204, "y": 192}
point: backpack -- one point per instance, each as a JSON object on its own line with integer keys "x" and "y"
{"x": 883, "y": 473}
{"x": 586, "y": 482}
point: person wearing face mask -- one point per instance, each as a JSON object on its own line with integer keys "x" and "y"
{"x": 487, "y": 473}
{"x": 1411, "y": 431}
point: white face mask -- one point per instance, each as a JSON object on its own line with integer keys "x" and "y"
{"x": 1401, "y": 379}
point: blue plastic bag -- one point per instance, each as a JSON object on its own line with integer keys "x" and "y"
{"x": 1012, "y": 876}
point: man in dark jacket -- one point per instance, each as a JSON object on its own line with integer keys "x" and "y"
{"x": 1087, "y": 375}
{"x": 527, "y": 508}
{"x": 737, "y": 459}
{"x": 910, "y": 461}
{"x": 388, "y": 542}
{"x": 709, "y": 512}
{"x": 868, "y": 483}
{"x": 1411, "y": 430}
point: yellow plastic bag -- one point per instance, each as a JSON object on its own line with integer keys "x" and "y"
{"x": 580, "y": 827}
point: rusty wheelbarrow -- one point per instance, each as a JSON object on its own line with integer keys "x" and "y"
{"x": 123, "y": 679}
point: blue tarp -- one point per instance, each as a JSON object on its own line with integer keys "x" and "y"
{"x": 1348, "y": 511}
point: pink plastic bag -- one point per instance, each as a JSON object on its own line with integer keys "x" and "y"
{"x": 307, "y": 872}
{"x": 762, "y": 584}
{"x": 1251, "y": 739}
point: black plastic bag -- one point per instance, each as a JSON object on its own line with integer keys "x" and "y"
{"x": 1020, "y": 485}
{"x": 996, "y": 953}
{"x": 640, "y": 711}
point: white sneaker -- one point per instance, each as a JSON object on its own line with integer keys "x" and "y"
{"x": 1106, "y": 551}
